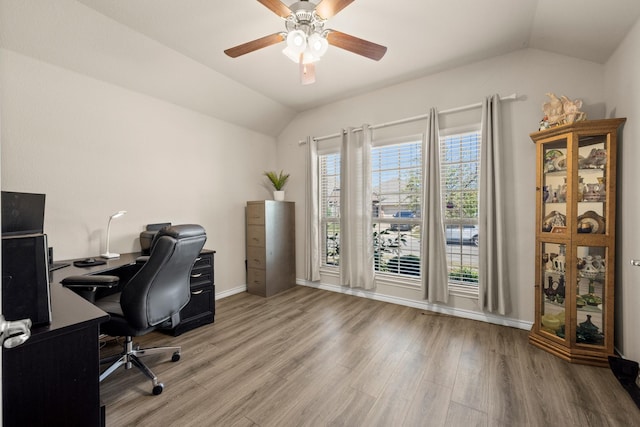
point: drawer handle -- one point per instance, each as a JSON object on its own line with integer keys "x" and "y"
{"x": 257, "y": 260}
{"x": 197, "y": 292}
{"x": 198, "y": 259}
{"x": 196, "y": 275}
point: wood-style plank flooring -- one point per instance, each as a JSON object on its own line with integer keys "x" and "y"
{"x": 308, "y": 357}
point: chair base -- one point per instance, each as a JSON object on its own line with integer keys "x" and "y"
{"x": 130, "y": 357}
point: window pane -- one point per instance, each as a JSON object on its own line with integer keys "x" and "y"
{"x": 396, "y": 178}
{"x": 330, "y": 185}
{"x": 331, "y": 248}
{"x": 330, "y": 208}
{"x": 460, "y": 177}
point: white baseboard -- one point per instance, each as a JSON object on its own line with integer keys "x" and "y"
{"x": 423, "y": 305}
{"x": 237, "y": 290}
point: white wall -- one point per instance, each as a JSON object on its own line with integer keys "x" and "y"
{"x": 622, "y": 92}
{"x": 530, "y": 73}
{"x": 95, "y": 148}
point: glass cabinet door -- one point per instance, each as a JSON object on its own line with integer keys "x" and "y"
{"x": 554, "y": 187}
{"x": 591, "y": 295}
{"x": 554, "y": 289}
{"x": 592, "y": 185}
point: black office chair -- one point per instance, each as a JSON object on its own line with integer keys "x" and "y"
{"x": 152, "y": 298}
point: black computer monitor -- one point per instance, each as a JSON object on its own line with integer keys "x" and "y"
{"x": 22, "y": 213}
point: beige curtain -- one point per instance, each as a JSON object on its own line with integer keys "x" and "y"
{"x": 312, "y": 226}
{"x": 493, "y": 286}
{"x": 434, "y": 249}
{"x": 356, "y": 230}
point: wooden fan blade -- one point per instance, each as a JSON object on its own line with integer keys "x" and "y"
{"x": 277, "y": 7}
{"x": 253, "y": 45}
{"x": 327, "y": 8}
{"x": 356, "y": 45}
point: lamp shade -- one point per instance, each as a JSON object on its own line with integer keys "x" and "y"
{"x": 317, "y": 45}
{"x": 296, "y": 41}
{"x": 117, "y": 214}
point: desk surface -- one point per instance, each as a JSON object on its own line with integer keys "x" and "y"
{"x": 69, "y": 310}
{"x": 59, "y": 274}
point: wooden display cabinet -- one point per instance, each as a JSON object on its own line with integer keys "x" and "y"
{"x": 575, "y": 240}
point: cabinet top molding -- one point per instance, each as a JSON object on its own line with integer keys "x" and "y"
{"x": 591, "y": 126}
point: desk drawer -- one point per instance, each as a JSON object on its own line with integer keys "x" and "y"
{"x": 201, "y": 277}
{"x": 203, "y": 261}
{"x": 199, "y": 311}
{"x": 201, "y": 302}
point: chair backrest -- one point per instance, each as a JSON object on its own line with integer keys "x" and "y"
{"x": 161, "y": 288}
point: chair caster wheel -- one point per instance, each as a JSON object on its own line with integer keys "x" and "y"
{"x": 158, "y": 389}
{"x": 175, "y": 357}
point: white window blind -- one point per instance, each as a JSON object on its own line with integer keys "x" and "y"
{"x": 460, "y": 177}
{"x": 396, "y": 170}
{"x": 330, "y": 208}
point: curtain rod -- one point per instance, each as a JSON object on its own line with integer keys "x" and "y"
{"x": 513, "y": 96}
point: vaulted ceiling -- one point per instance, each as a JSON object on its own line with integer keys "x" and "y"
{"x": 422, "y": 37}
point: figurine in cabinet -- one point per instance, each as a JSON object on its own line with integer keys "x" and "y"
{"x": 597, "y": 159}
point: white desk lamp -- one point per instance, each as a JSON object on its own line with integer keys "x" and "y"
{"x": 108, "y": 254}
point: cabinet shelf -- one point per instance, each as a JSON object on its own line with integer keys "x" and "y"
{"x": 575, "y": 241}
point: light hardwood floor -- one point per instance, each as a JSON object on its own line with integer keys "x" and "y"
{"x": 308, "y": 357}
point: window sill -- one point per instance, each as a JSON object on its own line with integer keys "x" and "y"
{"x": 455, "y": 289}
{"x": 398, "y": 281}
{"x": 463, "y": 291}
{"x": 330, "y": 271}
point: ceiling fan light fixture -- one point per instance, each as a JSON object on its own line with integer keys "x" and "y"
{"x": 296, "y": 41}
{"x": 317, "y": 45}
{"x": 306, "y": 38}
{"x": 307, "y": 57}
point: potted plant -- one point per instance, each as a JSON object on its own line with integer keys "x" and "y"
{"x": 278, "y": 180}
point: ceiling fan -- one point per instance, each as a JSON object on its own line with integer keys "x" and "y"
{"x": 306, "y": 37}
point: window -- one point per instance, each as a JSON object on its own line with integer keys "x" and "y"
{"x": 396, "y": 182}
{"x": 460, "y": 178}
{"x": 330, "y": 208}
{"x": 396, "y": 179}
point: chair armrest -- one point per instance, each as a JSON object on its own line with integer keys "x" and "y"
{"x": 142, "y": 259}
{"x": 96, "y": 281}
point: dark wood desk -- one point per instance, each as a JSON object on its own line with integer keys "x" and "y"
{"x": 201, "y": 308}
{"x": 53, "y": 378}
{"x": 111, "y": 264}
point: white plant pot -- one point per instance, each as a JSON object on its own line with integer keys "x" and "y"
{"x": 278, "y": 196}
